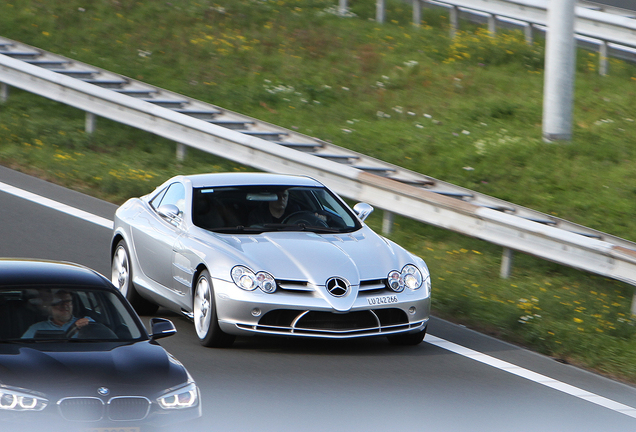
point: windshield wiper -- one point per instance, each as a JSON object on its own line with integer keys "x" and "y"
{"x": 236, "y": 229}
{"x": 301, "y": 227}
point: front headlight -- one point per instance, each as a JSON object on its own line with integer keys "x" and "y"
{"x": 410, "y": 277}
{"x": 184, "y": 397}
{"x": 16, "y": 400}
{"x": 246, "y": 279}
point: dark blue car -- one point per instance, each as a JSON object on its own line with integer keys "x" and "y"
{"x": 75, "y": 356}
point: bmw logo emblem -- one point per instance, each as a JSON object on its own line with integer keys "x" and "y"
{"x": 103, "y": 391}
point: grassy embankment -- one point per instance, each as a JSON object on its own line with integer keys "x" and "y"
{"x": 466, "y": 111}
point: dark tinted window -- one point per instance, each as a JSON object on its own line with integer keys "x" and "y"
{"x": 270, "y": 208}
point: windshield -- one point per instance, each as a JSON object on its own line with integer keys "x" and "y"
{"x": 248, "y": 209}
{"x": 64, "y": 314}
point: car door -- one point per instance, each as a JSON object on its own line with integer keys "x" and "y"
{"x": 156, "y": 234}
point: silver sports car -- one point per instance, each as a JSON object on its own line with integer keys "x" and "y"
{"x": 246, "y": 253}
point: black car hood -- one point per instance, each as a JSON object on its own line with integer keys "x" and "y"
{"x": 63, "y": 370}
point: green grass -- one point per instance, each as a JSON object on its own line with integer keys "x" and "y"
{"x": 467, "y": 111}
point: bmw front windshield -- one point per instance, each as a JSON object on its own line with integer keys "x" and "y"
{"x": 69, "y": 314}
{"x": 271, "y": 208}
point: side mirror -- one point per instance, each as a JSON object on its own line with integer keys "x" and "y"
{"x": 161, "y": 328}
{"x": 363, "y": 210}
{"x": 169, "y": 211}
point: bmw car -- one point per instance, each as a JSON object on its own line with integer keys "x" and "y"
{"x": 257, "y": 253}
{"x": 74, "y": 356}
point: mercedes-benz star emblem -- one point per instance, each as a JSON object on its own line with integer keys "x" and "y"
{"x": 103, "y": 391}
{"x": 337, "y": 287}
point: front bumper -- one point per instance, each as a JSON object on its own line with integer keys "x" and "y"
{"x": 308, "y": 314}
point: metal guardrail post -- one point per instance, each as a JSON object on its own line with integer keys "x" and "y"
{"x": 529, "y": 33}
{"x": 603, "y": 65}
{"x": 182, "y": 151}
{"x": 379, "y": 11}
{"x": 90, "y": 122}
{"x": 4, "y": 92}
{"x": 492, "y": 24}
{"x": 506, "y": 263}
{"x": 417, "y": 13}
{"x": 454, "y": 21}
{"x": 387, "y": 222}
{"x": 342, "y": 7}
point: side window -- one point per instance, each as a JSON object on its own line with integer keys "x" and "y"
{"x": 157, "y": 199}
{"x": 174, "y": 195}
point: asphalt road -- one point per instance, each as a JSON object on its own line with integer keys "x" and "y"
{"x": 456, "y": 381}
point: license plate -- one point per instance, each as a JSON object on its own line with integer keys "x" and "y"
{"x": 113, "y": 429}
{"x": 376, "y": 301}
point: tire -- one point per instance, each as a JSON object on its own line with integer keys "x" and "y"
{"x": 206, "y": 322}
{"x": 121, "y": 277}
{"x": 407, "y": 339}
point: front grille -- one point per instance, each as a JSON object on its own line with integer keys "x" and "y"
{"x": 331, "y": 321}
{"x": 128, "y": 408}
{"x": 81, "y": 409}
{"x": 327, "y": 323}
{"x": 93, "y": 409}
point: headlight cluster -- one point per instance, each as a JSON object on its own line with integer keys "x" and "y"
{"x": 410, "y": 277}
{"x": 246, "y": 279}
{"x": 184, "y": 397}
{"x": 14, "y": 400}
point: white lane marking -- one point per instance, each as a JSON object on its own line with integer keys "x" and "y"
{"x": 433, "y": 340}
{"x": 530, "y": 375}
{"x": 56, "y": 205}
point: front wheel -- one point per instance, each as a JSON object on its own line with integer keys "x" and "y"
{"x": 407, "y": 339}
{"x": 121, "y": 277}
{"x": 206, "y": 322}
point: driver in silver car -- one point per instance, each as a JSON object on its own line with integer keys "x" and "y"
{"x": 272, "y": 211}
{"x": 61, "y": 316}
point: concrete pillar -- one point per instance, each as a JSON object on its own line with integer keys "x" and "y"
{"x": 454, "y": 21}
{"x": 90, "y": 123}
{"x": 342, "y": 7}
{"x": 603, "y": 65}
{"x": 379, "y": 11}
{"x": 558, "y": 89}
{"x": 417, "y": 13}
{"x": 506, "y": 263}
{"x": 387, "y": 222}
{"x": 182, "y": 151}
{"x": 4, "y": 92}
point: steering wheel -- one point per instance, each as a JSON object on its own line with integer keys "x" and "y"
{"x": 72, "y": 330}
{"x": 305, "y": 217}
{"x": 92, "y": 330}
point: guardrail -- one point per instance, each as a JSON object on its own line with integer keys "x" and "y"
{"x": 607, "y": 30}
{"x": 615, "y": 259}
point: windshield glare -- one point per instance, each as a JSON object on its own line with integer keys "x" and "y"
{"x": 270, "y": 208}
{"x": 64, "y": 314}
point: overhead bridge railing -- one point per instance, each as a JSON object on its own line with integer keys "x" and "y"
{"x": 248, "y": 141}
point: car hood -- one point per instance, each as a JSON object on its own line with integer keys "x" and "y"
{"x": 142, "y": 369}
{"x": 311, "y": 257}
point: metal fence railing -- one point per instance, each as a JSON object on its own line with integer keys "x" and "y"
{"x": 613, "y": 34}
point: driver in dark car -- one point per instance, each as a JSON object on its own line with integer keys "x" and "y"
{"x": 60, "y": 316}
{"x": 273, "y": 211}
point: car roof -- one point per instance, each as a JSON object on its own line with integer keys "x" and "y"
{"x": 245, "y": 179}
{"x": 28, "y": 272}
